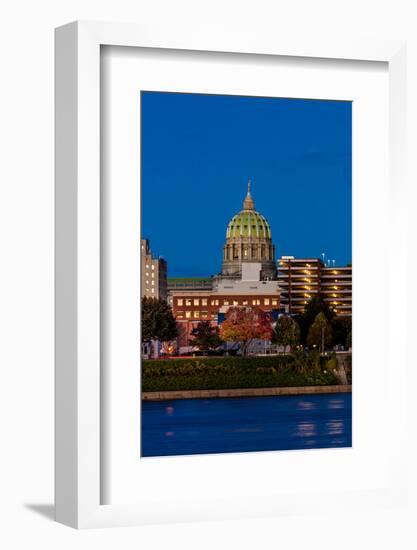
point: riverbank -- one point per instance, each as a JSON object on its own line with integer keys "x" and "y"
{"x": 244, "y": 392}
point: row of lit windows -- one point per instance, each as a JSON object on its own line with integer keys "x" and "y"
{"x": 204, "y": 302}
{"x": 192, "y": 314}
{"x": 195, "y": 301}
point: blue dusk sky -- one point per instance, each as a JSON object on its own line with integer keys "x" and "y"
{"x": 198, "y": 152}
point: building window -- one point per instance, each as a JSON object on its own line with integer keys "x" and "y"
{"x": 215, "y": 302}
{"x": 196, "y": 301}
{"x": 204, "y": 314}
{"x": 204, "y": 301}
{"x": 196, "y": 314}
{"x": 188, "y": 301}
{"x": 180, "y": 314}
{"x": 225, "y": 302}
{"x": 274, "y": 302}
{"x": 153, "y": 267}
{"x": 235, "y": 303}
{"x": 179, "y": 301}
{"x": 187, "y": 314}
{"x": 266, "y": 301}
{"x": 153, "y": 290}
{"x": 245, "y": 303}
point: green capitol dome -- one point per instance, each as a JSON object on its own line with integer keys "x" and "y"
{"x": 248, "y": 224}
{"x": 248, "y": 239}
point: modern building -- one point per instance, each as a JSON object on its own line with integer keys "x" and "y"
{"x": 302, "y": 278}
{"x": 153, "y": 273}
{"x": 336, "y": 289}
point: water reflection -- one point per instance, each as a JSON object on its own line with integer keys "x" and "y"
{"x": 305, "y": 405}
{"x": 336, "y": 404}
{"x": 224, "y": 425}
{"x": 305, "y": 429}
{"x": 335, "y": 427}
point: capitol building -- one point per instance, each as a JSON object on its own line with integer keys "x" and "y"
{"x": 250, "y": 276}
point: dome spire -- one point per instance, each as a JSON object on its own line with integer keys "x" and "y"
{"x": 248, "y": 203}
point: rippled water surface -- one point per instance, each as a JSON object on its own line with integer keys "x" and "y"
{"x": 225, "y": 425}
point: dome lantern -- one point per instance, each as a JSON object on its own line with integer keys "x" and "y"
{"x": 248, "y": 203}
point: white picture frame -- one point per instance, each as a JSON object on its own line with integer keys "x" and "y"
{"x": 78, "y": 405}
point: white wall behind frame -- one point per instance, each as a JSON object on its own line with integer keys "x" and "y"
{"x": 27, "y": 94}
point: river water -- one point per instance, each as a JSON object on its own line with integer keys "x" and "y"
{"x": 241, "y": 424}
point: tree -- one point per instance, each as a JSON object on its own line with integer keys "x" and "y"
{"x": 158, "y": 323}
{"x": 314, "y": 306}
{"x": 341, "y": 328}
{"x": 286, "y": 332}
{"x": 244, "y": 324}
{"x": 320, "y": 332}
{"x": 205, "y": 336}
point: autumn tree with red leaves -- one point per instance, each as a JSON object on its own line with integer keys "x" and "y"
{"x": 245, "y": 324}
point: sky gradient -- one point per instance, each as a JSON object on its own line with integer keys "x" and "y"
{"x": 198, "y": 152}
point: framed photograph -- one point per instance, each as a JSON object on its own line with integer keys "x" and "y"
{"x": 228, "y": 212}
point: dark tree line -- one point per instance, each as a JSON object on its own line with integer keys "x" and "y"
{"x": 339, "y": 331}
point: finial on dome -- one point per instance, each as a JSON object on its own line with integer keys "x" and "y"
{"x": 248, "y": 203}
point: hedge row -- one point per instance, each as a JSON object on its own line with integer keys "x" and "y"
{"x": 238, "y": 372}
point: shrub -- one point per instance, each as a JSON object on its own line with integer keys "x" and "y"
{"x": 299, "y": 369}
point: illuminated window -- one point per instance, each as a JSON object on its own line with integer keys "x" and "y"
{"x": 274, "y": 302}
{"x": 153, "y": 267}
{"x": 188, "y": 301}
{"x": 196, "y": 314}
{"x": 204, "y": 314}
{"x": 204, "y": 301}
{"x": 214, "y": 302}
{"x": 179, "y": 301}
{"x": 187, "y": 314}
{"x": 235, "y": 303}
{"x": 180, "y": 314}
{"x": 225, "y": 302}
{"x": 266, "y": 301}
{"x": 245, "y": 303}
{"x": 196, "y": 301}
